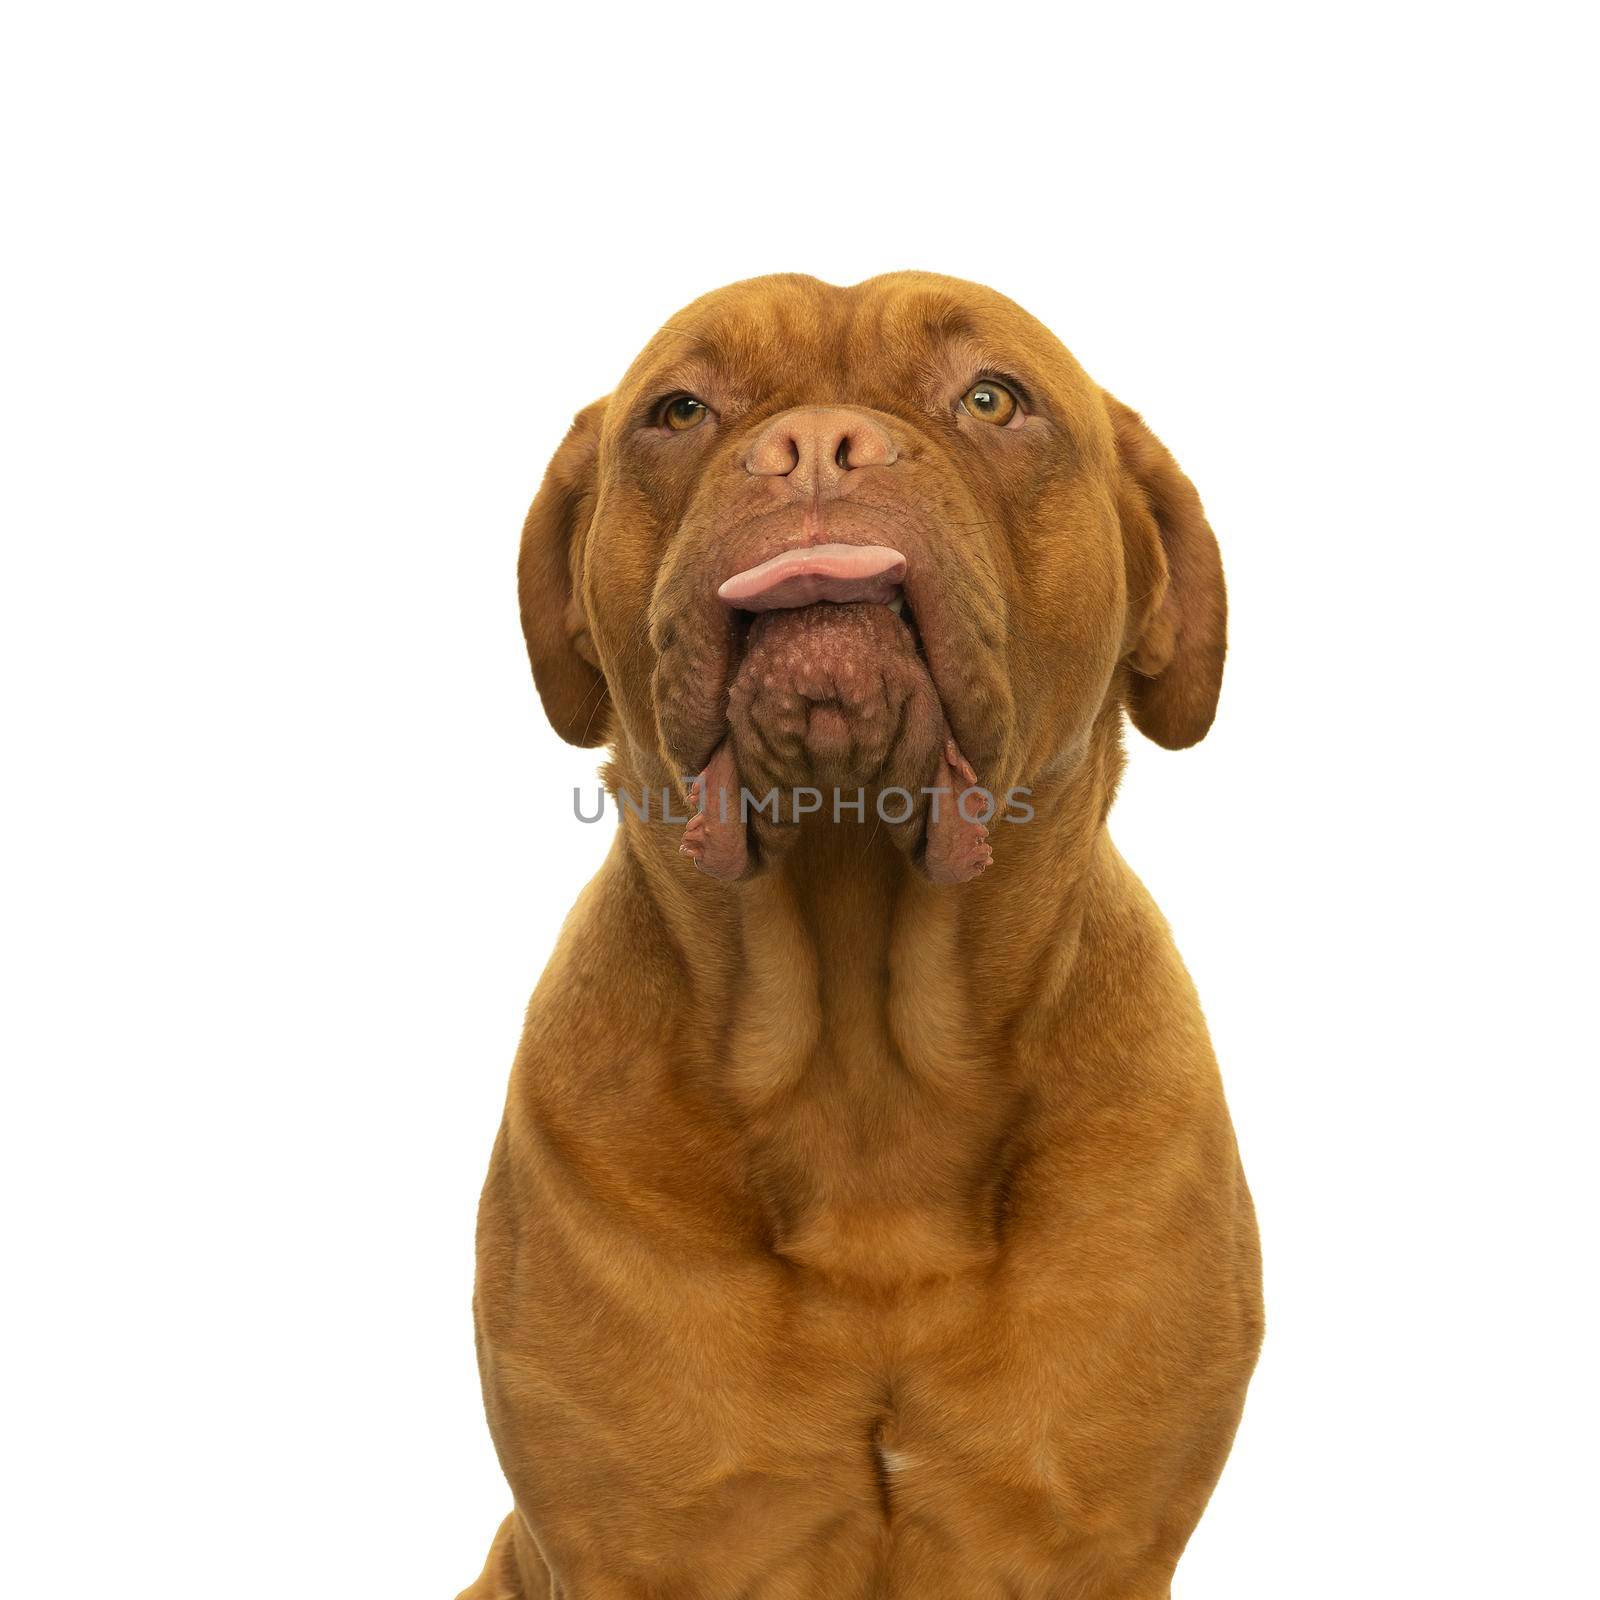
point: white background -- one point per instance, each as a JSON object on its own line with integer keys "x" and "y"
{"x": 300, "y": 299}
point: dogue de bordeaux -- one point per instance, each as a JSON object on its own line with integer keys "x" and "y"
{"x": 866, "y": 1219}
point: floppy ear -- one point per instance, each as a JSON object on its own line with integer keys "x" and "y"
{"x": 565, "y": 667}
{"x": 1175, "y": 572}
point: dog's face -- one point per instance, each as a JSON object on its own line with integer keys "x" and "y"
{"x": 888, "y": 536}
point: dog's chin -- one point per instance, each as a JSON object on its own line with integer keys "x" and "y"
{"x": 832, "y": 692}
{"x": 833, "y": 717}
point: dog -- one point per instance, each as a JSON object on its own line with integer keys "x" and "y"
{"x": 866, "y": 1219}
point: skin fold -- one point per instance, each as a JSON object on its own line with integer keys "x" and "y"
{"x": 866, "y": 1219}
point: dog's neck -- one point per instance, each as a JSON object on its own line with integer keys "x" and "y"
{"x": 864, "y": 1031}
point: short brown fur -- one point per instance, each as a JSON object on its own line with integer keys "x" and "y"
{"x": 848, "y": 1235}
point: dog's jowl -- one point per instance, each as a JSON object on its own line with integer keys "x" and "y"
{"x": 866, "y": 1220}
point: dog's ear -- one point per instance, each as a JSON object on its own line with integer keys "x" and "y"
{"x": 1178, "y": 606}
{"x": 565, "y": 666}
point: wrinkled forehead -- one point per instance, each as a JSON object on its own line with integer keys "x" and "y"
{"x": 883, "y": 343}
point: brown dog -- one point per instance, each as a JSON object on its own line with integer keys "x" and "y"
{"x": 866, "y": 1219}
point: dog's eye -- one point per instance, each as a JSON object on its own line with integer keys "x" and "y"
{"x": 989, "y": 401}
{"x": 683, "y": 413}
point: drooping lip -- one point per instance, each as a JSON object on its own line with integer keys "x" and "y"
{"x": 839, "y": 573}
{"x": 700, "y": 634}
{"x": 951, "y": 848}
{"x": 811, "y": 574}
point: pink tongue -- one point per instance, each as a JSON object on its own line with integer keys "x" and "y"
{"x": 837, "y": 572}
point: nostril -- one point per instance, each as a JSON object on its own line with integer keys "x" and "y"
{"x": 799, "y": 447}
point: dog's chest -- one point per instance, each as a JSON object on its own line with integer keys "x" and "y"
{"x": 904, "y": 1453}
{"x": 878, "y": 1168}
{"x": 877, "y": 1122}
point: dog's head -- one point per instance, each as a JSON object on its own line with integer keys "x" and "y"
{"x": 889, "y": 536}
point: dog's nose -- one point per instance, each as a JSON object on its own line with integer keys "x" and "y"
{"x": 815, "y": 446}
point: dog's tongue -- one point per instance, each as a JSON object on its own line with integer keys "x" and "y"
{"x": 837, "y": 572}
